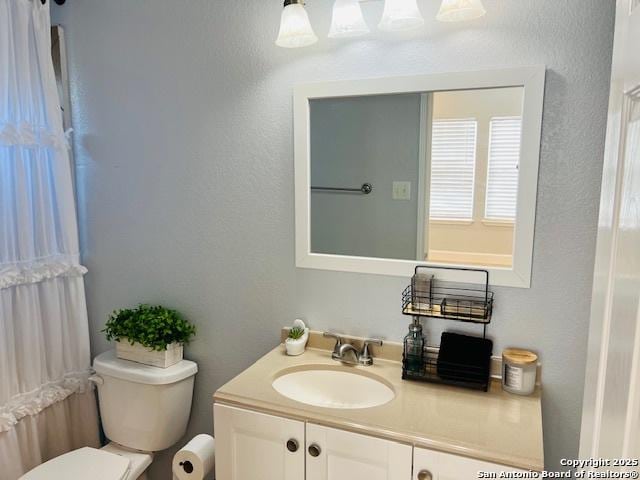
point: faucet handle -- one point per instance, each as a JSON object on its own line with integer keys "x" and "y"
{"x": 338, "y": 339}
{"x": 374, "y": 341}
{"x": 365, "y": 357}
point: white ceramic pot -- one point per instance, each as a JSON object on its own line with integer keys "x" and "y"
{"x": 296, "y": 346}
{"x": 141, "y": 354}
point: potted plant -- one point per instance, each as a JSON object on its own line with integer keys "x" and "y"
{"x": 153, "y": 335}
{"x": 297, "y": 338}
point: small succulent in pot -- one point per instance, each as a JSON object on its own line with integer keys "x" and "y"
{"x": 150, "y": 334}
{"x": 297, "y": 338}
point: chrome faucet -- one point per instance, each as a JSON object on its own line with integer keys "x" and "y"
{"x": 340, "y": 350}
{"x": 343, "y": 350}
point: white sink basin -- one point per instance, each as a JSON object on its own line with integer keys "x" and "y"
{"x": 333, "y": 388}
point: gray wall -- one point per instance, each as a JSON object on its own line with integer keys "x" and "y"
{"x": 373, "y": 139}
{"x": 183, "y": 118}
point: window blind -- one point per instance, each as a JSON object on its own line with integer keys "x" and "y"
{"x": 453, "y": 159}
{"x": 502, "y": 171}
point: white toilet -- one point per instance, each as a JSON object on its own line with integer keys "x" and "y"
{"x": 144, "y": 410}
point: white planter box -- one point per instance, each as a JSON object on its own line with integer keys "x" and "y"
{"x": 141, "y": 354}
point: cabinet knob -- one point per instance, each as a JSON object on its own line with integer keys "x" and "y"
{"x": 314, "y": 450}
{"x": 292, "y": 445}
{"x": 425, "y": 475}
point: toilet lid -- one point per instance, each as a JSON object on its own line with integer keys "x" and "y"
{"x": 82, "y": 464}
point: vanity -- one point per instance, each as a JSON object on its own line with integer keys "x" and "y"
{"x": 391, "y": 175}
{"x": 365, "y": 422}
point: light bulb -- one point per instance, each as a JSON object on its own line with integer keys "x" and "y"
{"x": 400, "y": 15}
{"x": 295, "y": 28}
{"x": 460, "y": 10}
{"x": 347, "y": 20}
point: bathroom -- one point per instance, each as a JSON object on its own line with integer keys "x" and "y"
{"x": 186, "y": 154}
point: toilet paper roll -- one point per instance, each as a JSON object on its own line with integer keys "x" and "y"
{"x": 196, "y": 459}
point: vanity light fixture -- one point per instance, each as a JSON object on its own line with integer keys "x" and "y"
{"x": 460, "y": 10}
{"x": 347, "y": 20}
{"x": 295, "y": 27}
{"x": 400, "y": 15}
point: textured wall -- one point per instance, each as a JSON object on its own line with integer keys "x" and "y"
{"x": 183, "y": 118}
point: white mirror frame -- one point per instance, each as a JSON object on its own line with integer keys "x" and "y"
{"x": 531, "y": 78}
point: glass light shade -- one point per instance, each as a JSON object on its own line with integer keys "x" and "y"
{"x": 460, "y": 10}
{"x": 347, "y": 20}
{"x": 400, "y": 15}
{"x": 295, "y": 28}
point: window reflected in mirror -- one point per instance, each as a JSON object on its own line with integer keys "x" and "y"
{"x": 419, "y": 176}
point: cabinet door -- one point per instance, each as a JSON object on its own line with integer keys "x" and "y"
{"x": 430, "y": 465}
{"x": 254, "y": 445}
{"x": 338, "y": 455}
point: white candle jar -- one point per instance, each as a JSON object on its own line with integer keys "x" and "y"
{"x": 519, "y": 371}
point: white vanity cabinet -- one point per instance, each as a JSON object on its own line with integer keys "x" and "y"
{"x": 255, "y": 445}
{"x": 266, "y": 447}
{"x": 432, "y": 465}
{"x": 336, "y": 455}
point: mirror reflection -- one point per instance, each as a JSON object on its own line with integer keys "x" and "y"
{"x": 423, "y": 176}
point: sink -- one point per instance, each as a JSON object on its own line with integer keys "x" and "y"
{"x": 333, "y": 388}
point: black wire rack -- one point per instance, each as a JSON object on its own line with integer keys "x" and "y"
{"x": 448, "y": 373}
{"x": 449, "y": 300}
{"x": 427, "y": 296}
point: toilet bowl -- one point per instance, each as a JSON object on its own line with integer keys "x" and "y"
{"x": 144, "y": 409}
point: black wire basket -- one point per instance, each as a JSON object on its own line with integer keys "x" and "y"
{"x": 448, "y": 373}
{"x": 449, "y": 300}
{"x": 427, "y": 296}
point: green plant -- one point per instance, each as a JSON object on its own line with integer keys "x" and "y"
{"x": 154, "y": 327}
{"x": 296, "y": 332}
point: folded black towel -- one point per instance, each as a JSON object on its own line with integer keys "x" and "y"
{"x": 464, "y": 358}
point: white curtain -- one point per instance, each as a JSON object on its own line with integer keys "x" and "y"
{"x": 46, "y": 404}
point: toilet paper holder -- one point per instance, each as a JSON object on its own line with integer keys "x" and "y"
{"x": 187, "y": 466}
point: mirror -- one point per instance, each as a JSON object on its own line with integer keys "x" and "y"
{"x": 453, "y": 201}
{"x": 430, "y": 175}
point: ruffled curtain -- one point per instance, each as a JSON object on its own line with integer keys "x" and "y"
{"x": 44, "y": 338}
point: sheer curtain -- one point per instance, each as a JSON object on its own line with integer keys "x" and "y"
{"x": 46, "y": 404}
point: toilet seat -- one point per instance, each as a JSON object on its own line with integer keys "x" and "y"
{"x": 84, "y": 463}
{"x": 138, "y": 461}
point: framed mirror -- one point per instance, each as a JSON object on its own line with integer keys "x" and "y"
{"x": 426, "y": 170}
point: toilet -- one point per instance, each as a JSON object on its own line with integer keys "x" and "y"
{"x": 143, "y": 409}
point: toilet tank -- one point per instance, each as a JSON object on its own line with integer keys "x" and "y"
{"x": 142, "y": 407}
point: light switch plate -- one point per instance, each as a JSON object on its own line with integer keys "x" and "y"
{"x": 401, "y": 191}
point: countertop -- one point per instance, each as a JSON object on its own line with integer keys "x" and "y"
{"x": 493, "y": 426}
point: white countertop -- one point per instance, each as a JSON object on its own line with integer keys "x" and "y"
{"x": 493, "y": 426}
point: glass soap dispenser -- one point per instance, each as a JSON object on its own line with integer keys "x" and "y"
{"x": 414, "y": 344}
